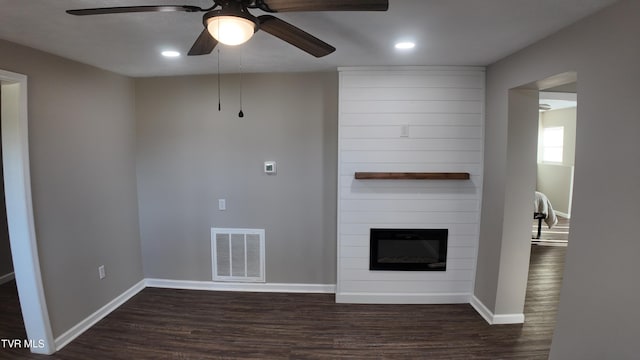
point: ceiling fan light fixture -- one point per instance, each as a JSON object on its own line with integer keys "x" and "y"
{"x": 405, "y": 45}
{"x": 170, "y": 54}
{"x": 231, "y": 30}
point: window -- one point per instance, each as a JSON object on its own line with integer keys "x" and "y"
{"x": 552, "y": 142}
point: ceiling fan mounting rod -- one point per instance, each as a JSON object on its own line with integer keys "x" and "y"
{"x": 259, "y": 4}
{"x": 230, "y": 8}
{"x": 246, "y": 4}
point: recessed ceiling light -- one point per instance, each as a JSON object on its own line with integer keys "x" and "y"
{"x": 405, "y": 45}
{"x": 170, "y": 54}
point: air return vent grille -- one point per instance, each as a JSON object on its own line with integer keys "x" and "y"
{"x": 237, "y": 254}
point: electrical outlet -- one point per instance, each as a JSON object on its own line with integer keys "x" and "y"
{"x": 101, "y": 272}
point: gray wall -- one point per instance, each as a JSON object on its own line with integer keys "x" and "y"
{"x": 598, "y": 316}
{"x": 556, "y": 181}
{"x": 190, "y": 155}
{"x": 82, "y": 149}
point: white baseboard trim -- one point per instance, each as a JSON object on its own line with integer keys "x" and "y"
{"x": 7, "y": 277}
{"x": 493, "y": 319}
{"x": 249, "y": 287}
{"x": 508, "y": 319}
{"x": 482, "y": 309}
{"x": 84, "y": 325}
{"x": 406, "y": 298}
{"x": 563, "y": 214}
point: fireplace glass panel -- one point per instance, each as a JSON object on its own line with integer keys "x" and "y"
{"x": 408, "y": 249}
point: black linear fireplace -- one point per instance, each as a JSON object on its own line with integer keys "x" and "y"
{"x": 408, "y": 249}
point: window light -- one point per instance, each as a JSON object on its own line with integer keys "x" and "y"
{"x": 552, "y": 144}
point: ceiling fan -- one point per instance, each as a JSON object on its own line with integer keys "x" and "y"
{"x": 544, "y": 107}
{"x": 230, "y": 22}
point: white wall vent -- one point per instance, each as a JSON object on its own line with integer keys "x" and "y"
{"x": 237, "y": 254}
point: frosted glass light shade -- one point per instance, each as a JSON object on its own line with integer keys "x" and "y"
{"x": 231, "y": 30}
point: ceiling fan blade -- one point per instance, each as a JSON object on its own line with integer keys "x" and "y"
{"x": 205, "y": 43}
{"x": 326, "y": 5}
{"x": 295, "y": 36}
{"x": 134, "y": 9}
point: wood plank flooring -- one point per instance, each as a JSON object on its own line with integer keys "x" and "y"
{"x": 182, "y": 324}
{"x": 558, "y": 235}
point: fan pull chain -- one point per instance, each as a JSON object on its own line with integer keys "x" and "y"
{"x": 241, "y": 114}
{"x": 219, "y": 101}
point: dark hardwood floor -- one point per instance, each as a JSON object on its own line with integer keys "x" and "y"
{"x": 11, "y": 326}
{"x": 182, "y": 324}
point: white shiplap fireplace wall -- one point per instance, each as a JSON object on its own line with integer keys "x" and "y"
{"x": 409, "y": 119}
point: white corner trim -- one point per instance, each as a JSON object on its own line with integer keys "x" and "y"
{"x": 84, "y": 325}
{"x": 250, "y": 287}
{"x": 19, "y": 209}
{"x": 493, "y": 319}
{"x": 404, "y": 298}
{"x": 7, "y": 277}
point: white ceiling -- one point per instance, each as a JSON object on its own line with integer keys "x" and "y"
{"x": 446, "y": 32}
{"x": 557, "y": 100}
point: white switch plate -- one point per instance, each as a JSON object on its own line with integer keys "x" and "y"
{"x": 222, "y": 204}
{"x": 404, "y": 130}
{"x": 101, "y": 272}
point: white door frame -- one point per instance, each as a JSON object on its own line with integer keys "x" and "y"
{"x": 22, "y": 235}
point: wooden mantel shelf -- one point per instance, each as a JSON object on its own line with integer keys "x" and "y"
{"x": 411, "y": 176}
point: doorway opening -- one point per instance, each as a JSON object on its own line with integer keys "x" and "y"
{"x": 555, "y": 165}
{"x": 554, "y": 175}
{"x": 519, "y": 194}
